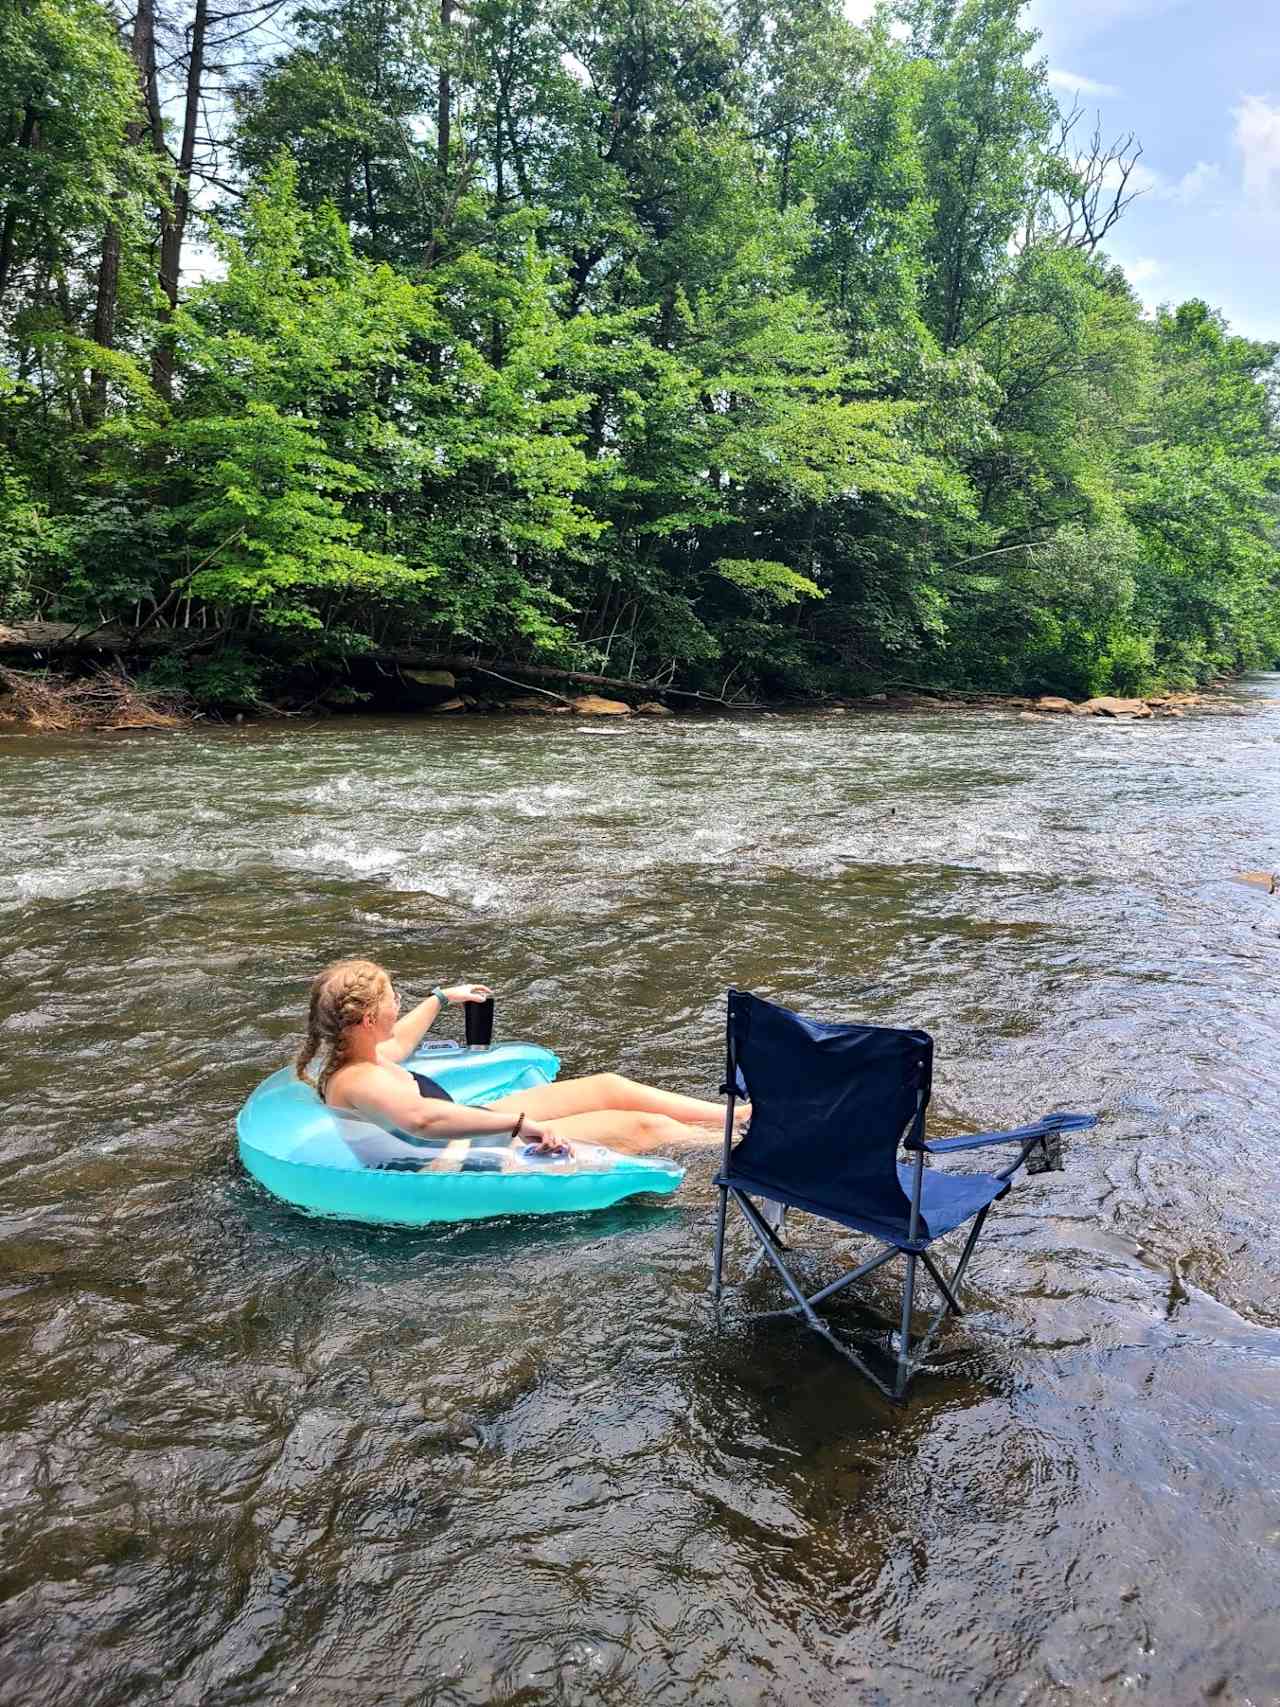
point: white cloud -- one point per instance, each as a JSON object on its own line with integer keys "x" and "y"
{"x": 1203, "y": 177}
{"x": 1142, "y": 271}
{"x": 1144, "y": 180}
{"x": 862, "y": 12}
{"x": 1070, "y": 83}
{"x": 1258, "y": 139}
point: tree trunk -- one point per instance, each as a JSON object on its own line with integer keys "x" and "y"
{"x": 104, "y": 315}
{"x": 142, "y": 50}
{"x": 9, "y": 228}
{"x": 370, "y": 204}
{"x": 174, "y": 223}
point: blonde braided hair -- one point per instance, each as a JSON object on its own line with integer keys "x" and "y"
{"x": 341, "y": 996}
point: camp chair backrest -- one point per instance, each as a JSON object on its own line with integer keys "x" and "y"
{"x": 830, "y": 1105}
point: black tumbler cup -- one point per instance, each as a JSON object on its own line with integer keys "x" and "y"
{"x": 478, "y": 1017}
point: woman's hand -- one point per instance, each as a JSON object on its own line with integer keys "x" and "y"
{"x": 410, "y": 1029}
{"x": 543, "y": 1140}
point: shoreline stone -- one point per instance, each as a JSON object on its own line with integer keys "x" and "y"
{"x": 1110, "y": 705}
{"x": 533, "y": 705}
{"x": 592, "y": 705}
{"x": 1054, "y": 703}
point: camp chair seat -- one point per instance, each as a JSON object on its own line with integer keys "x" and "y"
{"x": 947, "y": 1201}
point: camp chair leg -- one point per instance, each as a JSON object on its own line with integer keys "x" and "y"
{"x": 717, "y": 1283}
{"x": 957, "y": 1277}
{"x": 888, "y": 1254}
{"x": 761, "y": 1231}
{"x": 952, "y": 1303}
{"x": 904, "y": 1340}
{"x": 911, "y": 1356}
{"x": 949, "y": 1288}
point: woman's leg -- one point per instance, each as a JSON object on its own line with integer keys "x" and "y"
{"x": 611, "y": 1091}
{"x": 630, "y": 1131}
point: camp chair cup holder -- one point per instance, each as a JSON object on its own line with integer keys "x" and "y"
{"x": 832, "y": 1107}
{"x": 1047, "y": 1156}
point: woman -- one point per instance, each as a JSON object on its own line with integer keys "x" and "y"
{"x": 355, "y": 1016}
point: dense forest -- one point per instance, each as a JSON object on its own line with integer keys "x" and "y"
{"x": 702, "y": 341}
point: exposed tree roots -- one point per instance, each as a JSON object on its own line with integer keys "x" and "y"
{"x": 104, "y": 699}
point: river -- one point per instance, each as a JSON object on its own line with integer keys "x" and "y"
{"x": 250, "y": 1458}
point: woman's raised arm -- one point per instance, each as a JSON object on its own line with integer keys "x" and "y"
{"x": 411, "y": 1028}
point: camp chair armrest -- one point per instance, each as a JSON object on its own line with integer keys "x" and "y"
{"x": 1045, "y": 1128}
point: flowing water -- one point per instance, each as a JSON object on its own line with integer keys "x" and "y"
{"x": 247, "y": 1457}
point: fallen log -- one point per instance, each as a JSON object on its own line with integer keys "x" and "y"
{"x": 409, "y": 659}
{"x": 73, "y": 640}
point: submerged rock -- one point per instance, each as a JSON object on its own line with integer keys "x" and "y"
{"x": 1259, "y": 880}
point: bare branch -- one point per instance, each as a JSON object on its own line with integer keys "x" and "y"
{"x": 1093, "y": 191}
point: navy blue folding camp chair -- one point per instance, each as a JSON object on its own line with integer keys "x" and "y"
{"x": 830, "y": 1107}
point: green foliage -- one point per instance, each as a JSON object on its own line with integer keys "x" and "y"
{"x": 733, "y": 342}
{"x": 771, "y": 583}
{"x": 265, "y": 511}
{"x": 23, "y": 546}
{"x": 232, "y": 679}
{"x": 67, "y": 91}
{"x": 344, "y": 104}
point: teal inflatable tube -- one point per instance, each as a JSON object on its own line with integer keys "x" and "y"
{"x": 326, "y": 1163}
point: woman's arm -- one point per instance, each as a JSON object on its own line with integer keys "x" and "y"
{"x": 411, "y": 1028}
{"x": 373, "y": 1093}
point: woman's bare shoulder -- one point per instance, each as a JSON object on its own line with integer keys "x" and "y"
{"x": 359, "y": 1078}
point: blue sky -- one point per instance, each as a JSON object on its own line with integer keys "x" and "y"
{"x": 1199, "y": 82}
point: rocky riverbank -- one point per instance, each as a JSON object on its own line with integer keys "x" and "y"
{"x": 1044, "y": 708}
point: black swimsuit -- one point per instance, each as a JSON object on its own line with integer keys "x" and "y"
{"x": 475, "y": 1162}
{"x": 429, "y": 1088}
